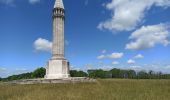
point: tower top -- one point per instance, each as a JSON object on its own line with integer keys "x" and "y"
{"x": 59, "y": 4}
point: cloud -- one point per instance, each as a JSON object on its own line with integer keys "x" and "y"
{"x": 34, "y": 1}
{"x": 21, "y": 69}
{"x": 104, "y": 51}
{"x": 167, "y": 67}
{"x": 115, "y": 55}
{"x": 4, "y": 72}
{"x": 2, "y": 69}
{"x": 101, "y": 57}
{"x": 45, "y": 45}
{"x": 139, "y": 56}
{"x": 148, "y": 37}
{"x": 130, "y": 61}
{"x": 7, "y": 2}
{"x": 67, "y": 42}
{"x": 17, "y": 71}
{"x": 127, "y": 14}
{"x": 86, "y": 2}
{"x": 115, "y": 62}
{"x": 157, "y": 66}
{"x": 11, "y": 2}
{"x": 136, "y": 68}
{"x": 89, "y": 66}
{"x": 42, "y": 45}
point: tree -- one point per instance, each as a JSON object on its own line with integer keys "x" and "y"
{"x": 99, "y": 73}
{"x": 18, "y": 77}
{"x": 39, "y": 73}
{"x": 91, "y": 73}
{"x": 143, "y": 75}
{"x": 131, "y": 74}
{"x": 75, "y": 73}
{"x": 115, "y": 73}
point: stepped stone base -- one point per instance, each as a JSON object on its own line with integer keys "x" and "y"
{"x": 47, "y": 81}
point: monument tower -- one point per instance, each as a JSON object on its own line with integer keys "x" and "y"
{"x": 58, "y": 67}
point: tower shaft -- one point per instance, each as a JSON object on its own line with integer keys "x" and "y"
{"x": 58, "y": 33}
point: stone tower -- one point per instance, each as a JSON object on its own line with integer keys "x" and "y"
{"x": 58, "y": 66}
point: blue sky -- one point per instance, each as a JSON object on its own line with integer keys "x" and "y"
{"x": 129, "y": 34}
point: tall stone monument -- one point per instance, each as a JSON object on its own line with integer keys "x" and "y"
{"x": 58, "y": 67}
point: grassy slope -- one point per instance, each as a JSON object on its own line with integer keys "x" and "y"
{"x": 102, "y": 90}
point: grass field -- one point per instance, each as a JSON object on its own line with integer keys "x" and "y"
{"x": 116, "y": 89}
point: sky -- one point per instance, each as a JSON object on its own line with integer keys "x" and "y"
{"x": 126, "y": 34}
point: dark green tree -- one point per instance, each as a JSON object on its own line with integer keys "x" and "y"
{"x": 143, "y": 75}
{"x": 115, "y": 73}
{"x": 99, "y": 74}
{"x": 75, "y": 73}
{"x": 131, "y": 74}
{"x": 39, "y": 73}
{"x": 18, "y": 77}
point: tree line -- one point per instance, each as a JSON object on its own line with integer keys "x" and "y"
{"x": 127, "y": 74}
{"x": 38, "y": 73}
{"x": 97, "y": 73}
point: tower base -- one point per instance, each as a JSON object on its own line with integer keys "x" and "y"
{"x": 57, "y": 69}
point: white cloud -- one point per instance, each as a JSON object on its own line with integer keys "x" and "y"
{"x": 130, "y": 61}
{"x": 11, "y": 2}
{"x": 167, "y": 67}
{"x": 2, "y": 69}
{"x": 115, "y": 62}
{"x": 139, "y": 56}
{"x": 34, "y": 1}
{"x": 101, "y": 57}
{"x": 86, "y": 2}
{"x": 42, "y": 45}
{"x": 136, "y": 68}
{"x": 127, "y": 14}
{"x": 67, "y": 42}
{"x": 45, "y": 45}
{"x": 89, "y": 66}
{"x": 157, "y": 66}
{"x": 148, "y": 37}
{"x": 116, "y": 55}
{"x": 104, "y": 51}
{"x": 7, "y": 2}
{"x": 21, "y": 69}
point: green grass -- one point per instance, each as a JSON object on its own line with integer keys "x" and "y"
{"x": 116, "y": 89}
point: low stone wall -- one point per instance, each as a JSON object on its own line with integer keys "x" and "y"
{"x": 47, "y": 81}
